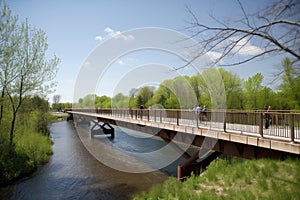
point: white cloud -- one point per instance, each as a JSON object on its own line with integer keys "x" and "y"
{"x": 108, "y": 30}
{"x": 213, "y": 55}
{"x": 98, "y": 38}
{"x": 119, "y": 35}
{"x": 242, "y": 48}
{"x": 114, "y": 34}
{"x": 245, "y": 48}
{"x": 120, "y": 62}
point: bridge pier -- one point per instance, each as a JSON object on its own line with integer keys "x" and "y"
{"x": 103, "y": 129}
{"x": 185, "y": 170}
{"x": 70, "y": 117}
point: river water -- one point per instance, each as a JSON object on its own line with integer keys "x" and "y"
{"x": 73, "y": 173}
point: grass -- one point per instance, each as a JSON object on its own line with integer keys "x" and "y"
{"x": 30, "y": 150}
{"x": 235, "y": 179}
{"x": 53, "y": 117}
{"x": 31, "y": 147}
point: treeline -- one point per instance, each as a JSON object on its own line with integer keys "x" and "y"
{"x": 213, "y": 88}
{"x": 26, "y": 76}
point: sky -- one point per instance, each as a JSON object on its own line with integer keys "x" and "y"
{"x": 86, "y": 36}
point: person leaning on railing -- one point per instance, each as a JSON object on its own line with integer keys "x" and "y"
{"x": 267, "y": 116}
{"x": 204, "y": 113}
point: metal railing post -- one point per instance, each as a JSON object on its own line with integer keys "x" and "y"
{"x": 160, "y": 116}
{"x": 177, "y": 117}
{"x": 292, "y": 126}
{"x": 148, "y": 115}
{"x": 224, "y": 125}
{"x": 261, "y": 124}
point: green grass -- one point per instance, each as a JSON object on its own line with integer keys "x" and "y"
{"x": 30, "y": 150}
{"x": 54, "y": 117}
{"x": 235, "y": 179}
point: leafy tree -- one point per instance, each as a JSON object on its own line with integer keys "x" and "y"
{"x": 88, "y": 101}
{"x": 172, "y": 102}
{"x": 233, "y": 88}
{"x": 162, "y": 94}
{"x": 290, "y": 86}
{"x": 8, "y": 51}
{"x": 25, "y": 70}
{"x": 194, "y": 82}
{"x": 213, "y": 89}
{"x": 103, "y": 102}
{"x": 253, "y": 89}
{"x": 120, "y": 101}
{"x": 184, "y": 92}
{"x": 144, "y": 95}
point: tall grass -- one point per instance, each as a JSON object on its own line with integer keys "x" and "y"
{"x": 36, "y": 146}
{"x": 31, "y": 147}
{"x": 235, "y": 179}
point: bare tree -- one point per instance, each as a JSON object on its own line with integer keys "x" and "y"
{"x": 56, "y": 99}
{"x": 272, "y": 30}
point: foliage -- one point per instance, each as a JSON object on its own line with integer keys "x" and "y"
{"x": 60, "y": 106}
{"x": 235, "y": 179}
{"x": 31, "y": 146}
{"x": 25, "y": 71}
{"x": 24, "y": 68}
{"x": 216, "y": 88}
{"x": 290, "y": 86}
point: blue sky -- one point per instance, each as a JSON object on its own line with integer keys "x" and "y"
{"x": 76, "y": 28}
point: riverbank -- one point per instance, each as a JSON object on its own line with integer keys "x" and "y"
{"x": 30, "y": 150}
{"x": 235, "y": 179}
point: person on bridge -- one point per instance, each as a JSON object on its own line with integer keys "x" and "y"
{"x": 267, "y": 116}
{"x": 198, "y": 112}
{"x": 204, "y": 111}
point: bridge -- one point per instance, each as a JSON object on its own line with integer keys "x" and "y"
{"x": 232, "y": 132}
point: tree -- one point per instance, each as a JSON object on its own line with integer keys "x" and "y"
{"x": 103, "y": 102}
{"x": 26, "y": 69}
{"x": 253, "y": 89}
{"x": 8, "y": 50}
{"x": 120, "y": 101}
{"x": 162, "y": 94}
{"x": 144, "y": 95}
{"x": 290, "y": 86}
{"x": 233, "y": 88}
{"x": 56, "y": 100}
{"x": 273, "y": 30}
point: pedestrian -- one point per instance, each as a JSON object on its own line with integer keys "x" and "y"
{"x": 198, "y": 112}
{"x": 267, "y": 116}
{"x": 204, "y": 111}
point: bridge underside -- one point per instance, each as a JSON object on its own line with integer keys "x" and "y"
{"x": 219, "y": 145}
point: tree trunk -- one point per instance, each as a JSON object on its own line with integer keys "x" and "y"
{"x": 1, "y": 106}
{"x": 13, "y": 122}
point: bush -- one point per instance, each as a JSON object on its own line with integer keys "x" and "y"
{"x": 31, "y": 145}
{"x": 36, "y": 146}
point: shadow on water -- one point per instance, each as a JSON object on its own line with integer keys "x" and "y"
{"x": 73, "y": 173}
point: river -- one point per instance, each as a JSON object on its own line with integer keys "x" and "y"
{"x": 73, "y": 173}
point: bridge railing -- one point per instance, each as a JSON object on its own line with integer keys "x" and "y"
{"x": 283, "y": 125}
